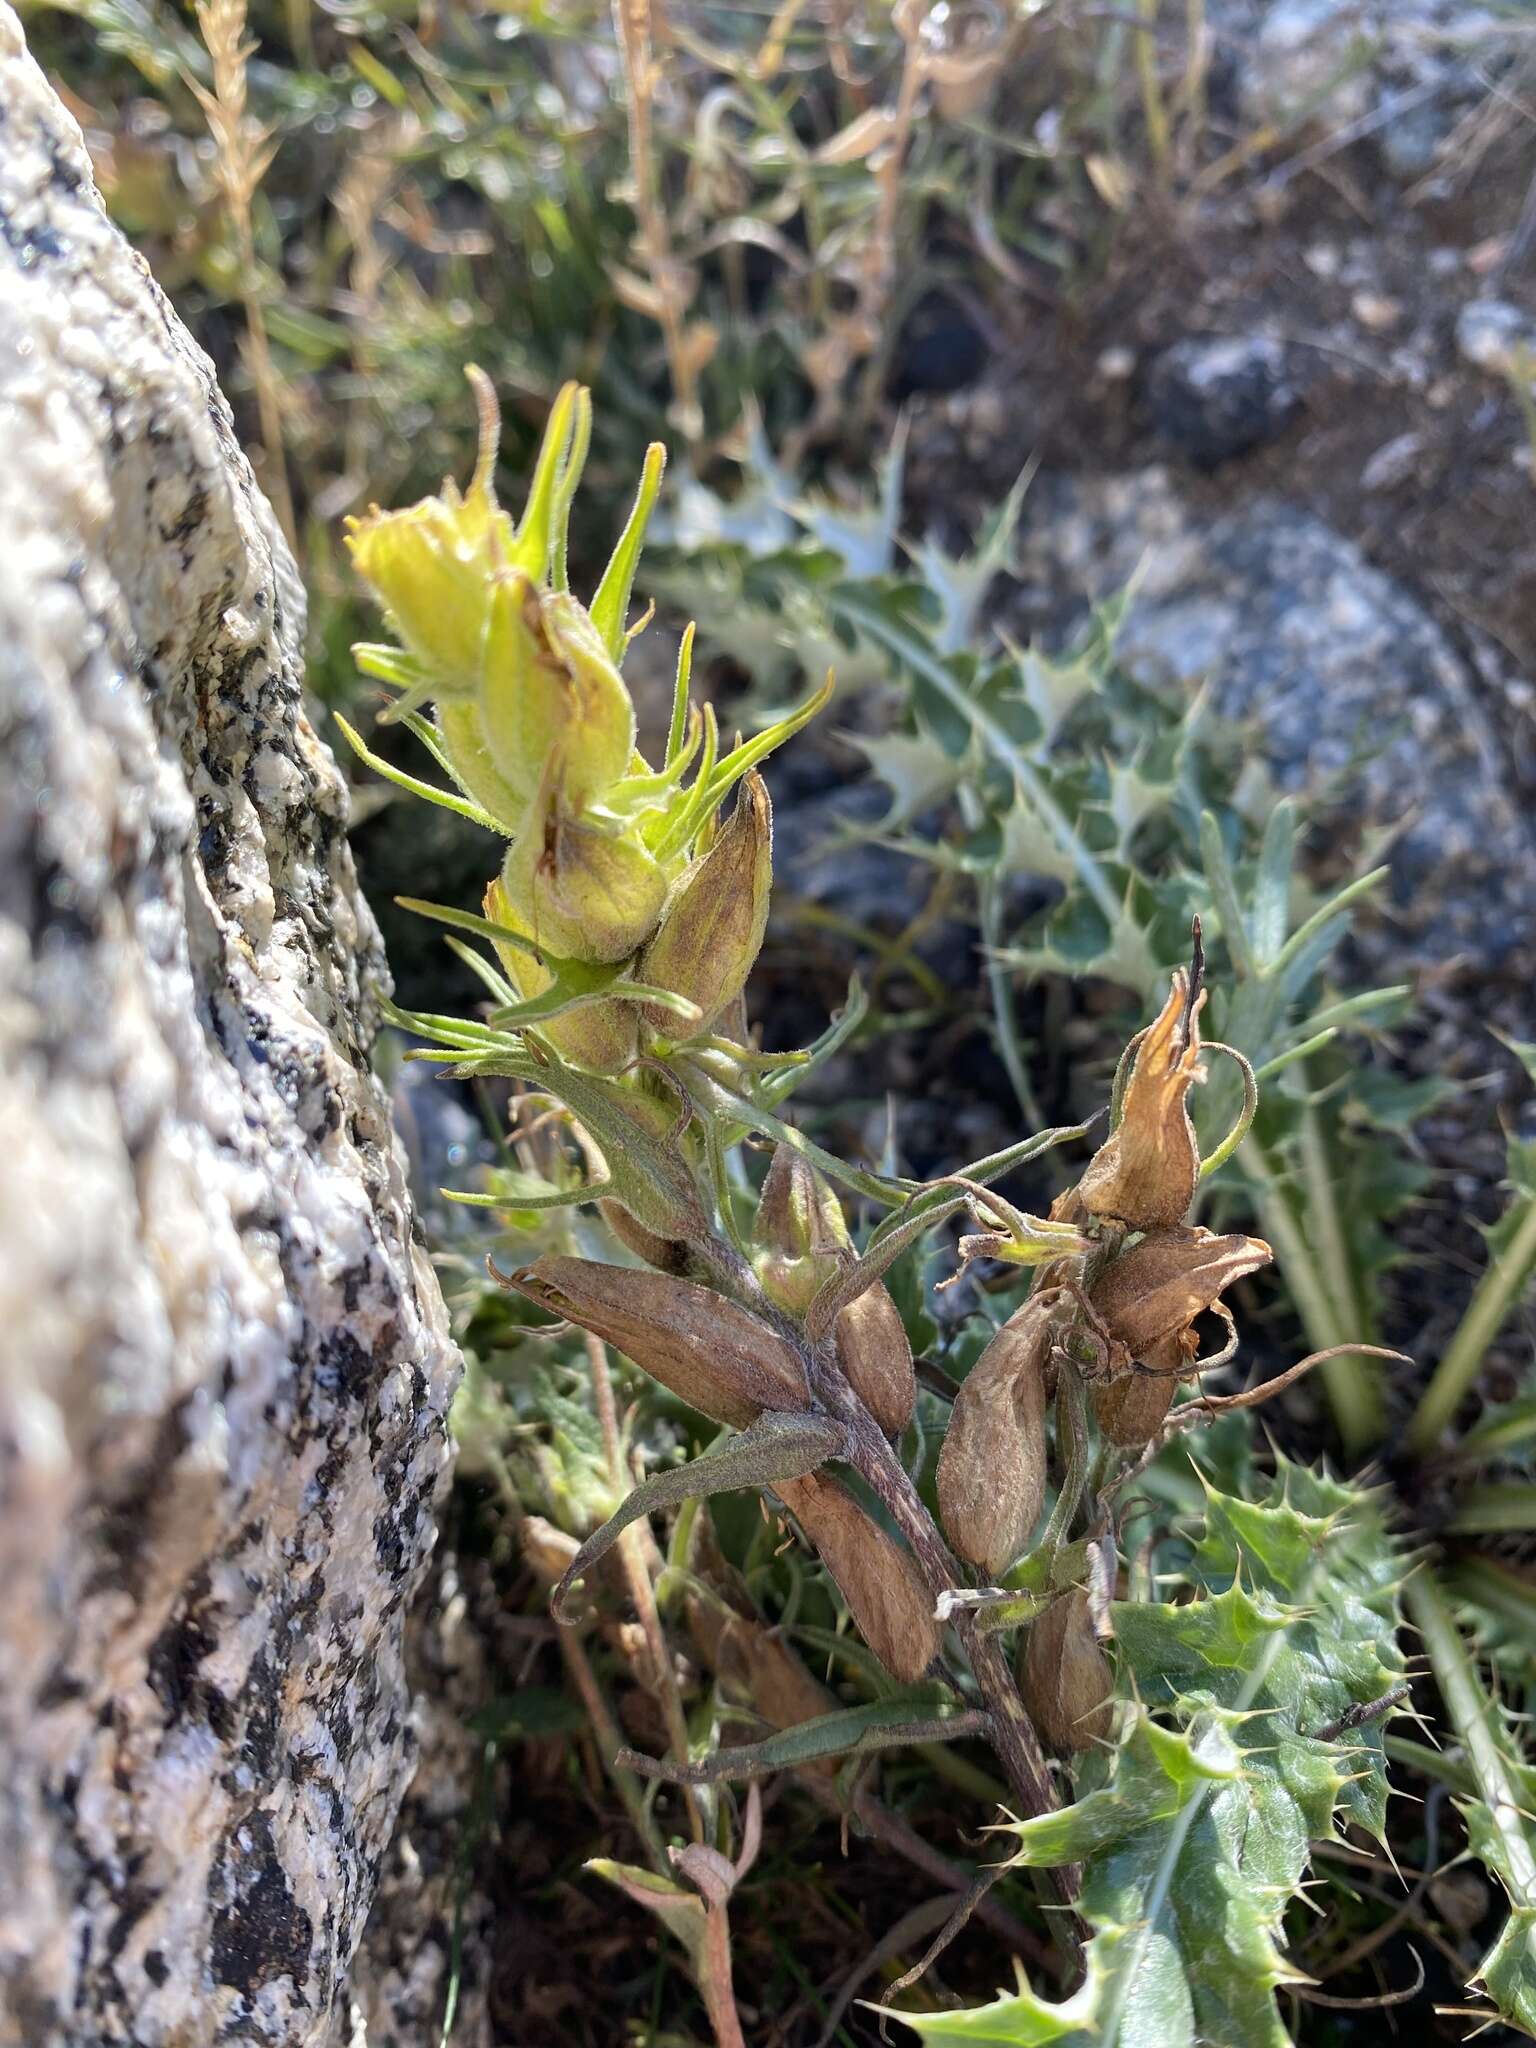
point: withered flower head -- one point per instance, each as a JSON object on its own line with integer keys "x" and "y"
{"x": 708, "y": 1351}
{"x": 991, "y": 1476}
{"x": 1145, "y": 1174}
{"x": 1152, "y": 1294}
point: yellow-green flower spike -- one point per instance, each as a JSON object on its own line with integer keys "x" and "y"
{"x": 431, "y": 565}
{"x": 431, "y": 568}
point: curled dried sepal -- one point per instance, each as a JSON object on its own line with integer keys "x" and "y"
{"x": 715, "y": 916}
{"x": 1011, "y": 1235}
{"x": 876, "y": 1357}
{"x": 1145, "y": 1173}
{"x": 715, "y": 1356}
{"x": 991, "y": 1476}
{"x": 1155, "y": 1291}
{"x": 1064, "y": 1677}
{"x": 884, "y": 1590}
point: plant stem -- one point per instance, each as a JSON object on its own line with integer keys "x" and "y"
{"x": 1471, "y": 1715}
{"x": 637, "y": 1576}
{"x": 610, "y": 1742}
{"x": 1496, "y": 1294}
{"x": 1012, "y": 1732}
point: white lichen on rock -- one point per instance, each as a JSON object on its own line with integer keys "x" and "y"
{"x": 226, "y": 1370}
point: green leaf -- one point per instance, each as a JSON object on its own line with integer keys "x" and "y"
{"x": 777, "y": 1446}
{"x": 915, "y": 1715}
{"x": 610, "y": 603}
{"x": 681, "y": 1912}
{"x": 443, "y": 798}
{"x": 1194, "y": 1835}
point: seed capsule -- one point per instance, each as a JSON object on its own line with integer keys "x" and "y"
{"x": 1064, "y": 1677}
{"x": 800, "y": 1237}
{"x": 666, "y": 1254}
{"x": 879, "y": 1580}
{"x": 708, "y": 1351}
{"x": 876, "y": 1358}
{"x": 991, "y": 1477}
{"x": 1131, "y": 1409}
{"x": 713, "y": 925}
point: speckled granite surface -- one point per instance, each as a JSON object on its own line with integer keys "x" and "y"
{"x": 226, "y": 1369}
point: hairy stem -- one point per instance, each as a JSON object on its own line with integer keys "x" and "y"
{"x": 1010, "y": 1729}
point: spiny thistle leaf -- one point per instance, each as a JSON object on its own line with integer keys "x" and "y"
{"x": 1230, "y": 1760}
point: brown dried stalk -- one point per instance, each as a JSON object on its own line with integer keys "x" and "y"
{"x": 637, "y": 1578}
{"x": 667, "y": 297}
{"x": 244, "y": 152}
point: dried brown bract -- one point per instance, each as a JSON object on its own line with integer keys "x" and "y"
{"x": 715, "y": 1356}
{"x": 883, "y": 1587}
{"x": 1145, "y": 1174}
{"x": 876, "y": 1358}
{"x": 1065, "y": 1678}
{"x": 1154, "y": 1292}
{"x": 991, "y": 1476}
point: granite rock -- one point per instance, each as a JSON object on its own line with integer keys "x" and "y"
{"x": 1355, "y": 690}
{"x": 222, "y": 1413}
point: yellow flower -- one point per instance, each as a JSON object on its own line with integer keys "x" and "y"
{"x": 432, "y": 567}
